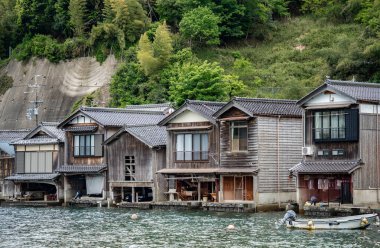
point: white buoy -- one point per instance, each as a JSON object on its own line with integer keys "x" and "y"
{"x": 231, "y": 227}
{"x": 134, "y": 216}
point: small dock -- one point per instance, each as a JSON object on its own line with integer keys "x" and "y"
{"x": 191, "y": 205}
{"x": 338, "y": 210}
{"x": 8, "y": 203}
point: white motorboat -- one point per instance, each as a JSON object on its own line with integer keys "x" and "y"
{"x": 348, "y": 222}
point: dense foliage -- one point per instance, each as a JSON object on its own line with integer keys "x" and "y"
{"x": 170, "y": 50}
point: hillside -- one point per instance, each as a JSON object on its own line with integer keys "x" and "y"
{"x": 64, "y": 83}
{"x": 297, "y": 57}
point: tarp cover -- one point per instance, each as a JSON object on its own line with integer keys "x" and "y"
{"x": 94, "y": 184}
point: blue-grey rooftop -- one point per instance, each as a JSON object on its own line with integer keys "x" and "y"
{"x": 262, "y": 106}
{"x": 151, "y": 135}
{"x": 7, "y": 136}
{"x": 117, "y": 117}
{"x": 82, "y": 168}
{"x": 33, "y": 177}
{"x": 327, "y": 167}
{"x": 44, "y": 133}
{"x": 362, "y": 91}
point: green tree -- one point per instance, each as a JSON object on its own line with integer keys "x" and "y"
{"x": 200, "y": 26}
{"x": 61, "y": 23}
{"x": 77, "y": 11}
{"x": 155, "y": 55}
{"x": 127, "y": 86}
{"x": 35, "y": 16}
{"x": 8, "y": 26}
{"x": 197, "y": 81}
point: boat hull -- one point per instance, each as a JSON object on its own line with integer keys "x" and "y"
{"x": 348, "y": 222}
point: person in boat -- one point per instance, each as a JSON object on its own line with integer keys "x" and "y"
{"x": 313, "y": 200}
{"x": 78, "y": 195}
{"x": 290, "y": 215}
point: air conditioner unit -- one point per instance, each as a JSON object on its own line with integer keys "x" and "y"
{"x": 307, "y": 151}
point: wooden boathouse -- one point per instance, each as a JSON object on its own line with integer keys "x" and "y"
{"x": 340, "y": 162}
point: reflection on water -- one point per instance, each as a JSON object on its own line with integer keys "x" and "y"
{"x": 94, "y": 227}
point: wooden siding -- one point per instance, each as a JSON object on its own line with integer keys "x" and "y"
{"x": 213, "y": 146}
{"x": 238, "y": 159}
{"x": 91, "y": 160}
{"x": 146, "y": 159}
{"x": 367, "y": 176}
{"x": 6, "y": 167}
{"x": 351, "y": 148}
{"x": 279, "y": 149}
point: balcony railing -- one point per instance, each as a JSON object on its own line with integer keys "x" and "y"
{"x": 191, "y": 156}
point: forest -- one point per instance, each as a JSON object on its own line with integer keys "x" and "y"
{"x": 172, "y": 50}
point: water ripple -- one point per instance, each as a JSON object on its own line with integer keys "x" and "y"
{"x": 95, "y": 227}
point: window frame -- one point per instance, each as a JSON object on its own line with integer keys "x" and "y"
{"x": 91, "y": 147}
{"x": 238, "y": 125}
{"x": 339, "y": 129}
{"x": 204, "y": 147}
{"x": 131, "y": 164}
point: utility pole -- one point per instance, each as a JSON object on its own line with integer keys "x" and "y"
{"x": 36, "y": 103}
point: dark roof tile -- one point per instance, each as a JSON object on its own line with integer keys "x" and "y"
{"x": 81, "y": 168}
{"x": 325, "y": 167}
{"x": 32, "y": 177}
{"x": 362, "y": 91}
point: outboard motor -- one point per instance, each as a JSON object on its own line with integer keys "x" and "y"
{"x": 290, "y": 215}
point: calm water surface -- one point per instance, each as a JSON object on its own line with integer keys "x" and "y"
{"x": 101, "y": 227}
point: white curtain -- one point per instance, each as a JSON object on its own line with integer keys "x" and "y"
{"x": 94, "y": 184}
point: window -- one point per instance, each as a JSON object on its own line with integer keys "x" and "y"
{"x": 338, "y": 152}
{"x": 38, "y": 162}
{"x": 323, "y": 152}
{"x": 84, "y": 145}
{"x": 239, "y": 136}
{"x": 130, "y": 168}
{"x": 329, "y": 125}
{"x": 191, "y": 147}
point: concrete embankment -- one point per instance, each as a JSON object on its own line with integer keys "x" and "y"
{"x": 60, "y": 86}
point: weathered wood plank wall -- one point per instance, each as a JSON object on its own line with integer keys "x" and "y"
{"x": 367, "y": 176}
{"x": 213, "y": 132}
{"x": 289, "y": 137}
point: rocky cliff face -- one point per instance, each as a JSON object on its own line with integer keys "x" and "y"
{"x": 60, "y": 86}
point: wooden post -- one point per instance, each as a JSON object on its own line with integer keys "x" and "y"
{"x": 133, "y": 195}
{"x": 199, "y": 190}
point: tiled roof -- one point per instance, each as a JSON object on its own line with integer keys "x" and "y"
{"x": 161, "y": 107}
{"x": 83, "y": 128}
{"x": 32, "y": 177}
{"x": 259, "y": 106}
{"x": 204, "y": 108}
{"x": 326, "y": 167}
{"x": 358, "y": 90}
{"x": 117, "y": 117}
{"x": 151, "y": 135}
{"x": 53, "y": 135}
{"x": 36, "y": 141}
{"x": 207, "y": 170}
{"x": 81, "y": 168}
{"x": 8, "y": 136}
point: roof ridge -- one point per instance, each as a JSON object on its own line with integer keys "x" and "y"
{"x": 265, "y": 100}
{"x": 202, "y": 102}
{"x": 149, "y": 105}
{"x": 342, "y": 82}
{"x": 120, "y": 110}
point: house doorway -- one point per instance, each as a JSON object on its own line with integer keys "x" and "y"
{"x": 238, "y": 188}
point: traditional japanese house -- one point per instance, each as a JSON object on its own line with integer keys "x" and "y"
{"x": 38, "y": 155}
{"x": 85, "y": 168}
{"x": 7, "y": 159}
{"x": 135, "y": 154}
{"x": 192, "y": 151}
{"x": 341, "y": 144}
{"x": 260, "y": 139}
